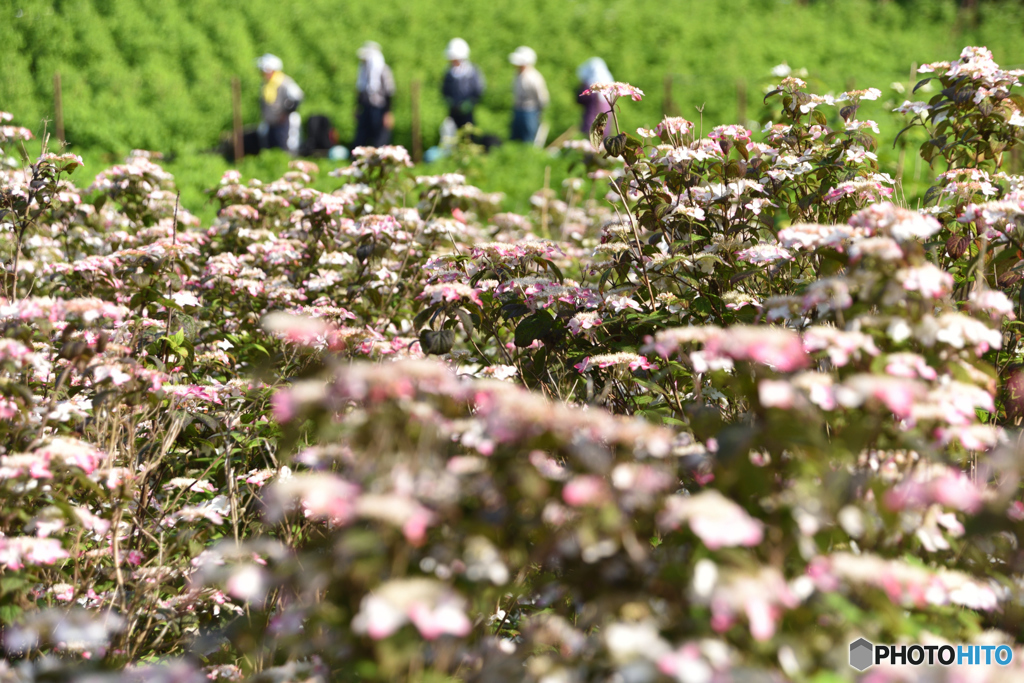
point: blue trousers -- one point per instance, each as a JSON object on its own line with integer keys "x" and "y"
{"x": 525, "y": 125}
{"x": 370, "y": 130}
{"x": 284, "y": 135}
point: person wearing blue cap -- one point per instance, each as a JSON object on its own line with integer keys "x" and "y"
{"x": 592, "y": 71}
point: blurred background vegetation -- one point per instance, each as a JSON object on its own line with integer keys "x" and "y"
{"x": 156, "y": 74}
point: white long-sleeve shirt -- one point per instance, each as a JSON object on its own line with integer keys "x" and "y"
{"x": 530, "y": 90}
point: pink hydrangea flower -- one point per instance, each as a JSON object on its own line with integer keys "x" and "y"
{"x": 613, "y": 91}
{"x": 993, "y": 302}
{"x": 897, "y": 394}
{"x": 632, "y": 360}
{"x": 452, "y": 291}
{"x": 927, "y": 279}
{"x": 733, "y": 133}
{"x": 248, "y": 582}
{"x": 776, "y": 394}
{"x": 321, "y": 496}
{"x": 586, "y": 490}
{"x": 447, "y": 617}
{"x": 974, "y": 437}
{"x": 399, "y": 510}
{"x": 901, "y": 224}
{"x": 764, "y": 253}
{"x": 432, "y": 607}
{"x": 909, "y": 365}
{"x": 716, "y": 520}
{"x": 762, "y": 596}
{"x": 776, "y": 347}
{"x": 17, "y": 551}
{"x": 936, "y": 484}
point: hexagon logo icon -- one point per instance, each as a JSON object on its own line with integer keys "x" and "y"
{"x": 861, "y": 654}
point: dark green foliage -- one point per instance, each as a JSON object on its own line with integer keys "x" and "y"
{"x": 157, "y": 73}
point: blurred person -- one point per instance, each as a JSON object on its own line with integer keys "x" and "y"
{"x": 592, "y": 71}
{"x": 530, "y": 93}
{"x": 375, "y": 87}
{"x": 280, "y": 97}
{"x": 463, "y": 84}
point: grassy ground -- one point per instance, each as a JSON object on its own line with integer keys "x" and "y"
{"x": 516, "y": 170}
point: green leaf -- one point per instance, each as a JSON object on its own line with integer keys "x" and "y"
{"x": 467, "y": 321}
{"x": 168, "y": 303}
{"x": 423, "y": 316}
{"x": 9, "y": 584}
{"x": 597, "y": 130}
{"x": 550, "y": 266}
{"x": 905, "y": 129}
{"x": 533, "y": 327}
{"x": 437, "y": 342}
{"x": 514, "y": 309}
{"x": 10, "y": 613}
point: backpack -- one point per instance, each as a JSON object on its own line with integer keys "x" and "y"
{"x": 320, "y": 134}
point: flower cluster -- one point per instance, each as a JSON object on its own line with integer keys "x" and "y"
{"x": 748, "y": 411}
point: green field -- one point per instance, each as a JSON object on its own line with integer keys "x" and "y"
{"x": 156, "y": 74}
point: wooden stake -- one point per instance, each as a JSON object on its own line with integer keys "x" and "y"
{"x": 569, "y": 132}
{"x": 236, "y": 117}
{"x": 667, "y": 106}
{"x": 58, "y": 107}
{"x": 741, "y": 102}
{"x": 900, "y": 165}
{"x": 544, "y": 206}
{"x": 417, "y": 137}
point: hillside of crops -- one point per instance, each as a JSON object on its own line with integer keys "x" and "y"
{"x": 155, "y": 74}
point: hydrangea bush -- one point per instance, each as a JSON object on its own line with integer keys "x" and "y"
{"x": 714, "y": 410}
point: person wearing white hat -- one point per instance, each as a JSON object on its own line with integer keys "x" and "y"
{"x": 530, "y": 93}
{"x": 375, "y": 87}
{"x": 463, "y": 84}
{"x": 280, "y": 97}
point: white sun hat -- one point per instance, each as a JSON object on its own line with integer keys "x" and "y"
{"x": 457, "y": 49}
{"x": 368, "y": 48}
{"x": 523, "y": 56}
{"x": 268, "y": 63}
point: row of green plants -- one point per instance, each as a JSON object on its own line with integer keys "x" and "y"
{"x": 712, "y": 408}
{"x": 156, "y": 75}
